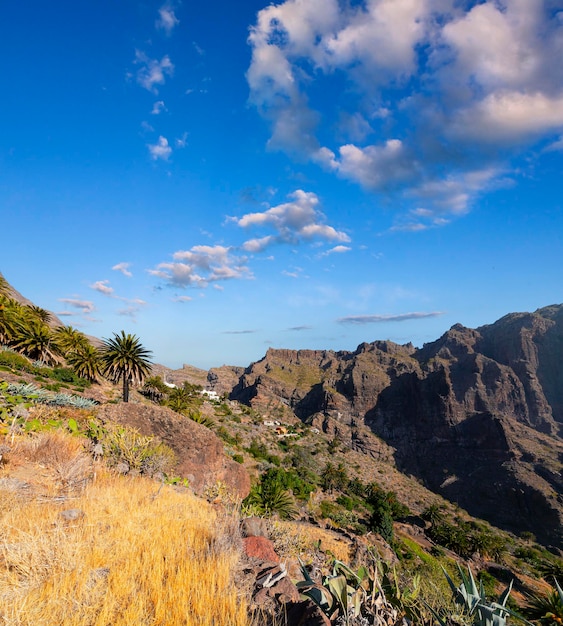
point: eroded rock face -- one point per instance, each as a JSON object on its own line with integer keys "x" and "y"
{"x": 476, "y": 415}
{"x": 200, "y": 453}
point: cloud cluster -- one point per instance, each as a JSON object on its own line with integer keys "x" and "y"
{"x": 152, "y": 72}
{"x": 123, "y": 268}
{"x": 167, "y": 19}
{"x": 201, "y": 266}
{"x": 446, "y": 93}
{"x": 160, "y": 150}
{"x": 293, "y": 221}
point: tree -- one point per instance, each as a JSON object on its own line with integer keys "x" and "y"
{"x": 125, "y": 359}
{"x": 9, "y": 319}
{"x": 69, "y": 339}
{"x": 35, "y": 312}
{"x": 154, "y": 388}
{"x": 5, "y": 289}
{"x": 85, "y": 361}
{"x": 35, "y": 341}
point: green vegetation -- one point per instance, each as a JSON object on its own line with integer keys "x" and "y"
{"x": 271, "y": 496}
{"x": 546, "y": 610}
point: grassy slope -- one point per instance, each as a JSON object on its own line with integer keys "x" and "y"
{"x": 140, "y": 554}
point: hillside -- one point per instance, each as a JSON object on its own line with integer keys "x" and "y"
{"x": 475, "y": 415}
{"x": 362, "y": 456}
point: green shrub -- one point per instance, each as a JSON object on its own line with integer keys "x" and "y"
{"x": 15, "y": 361}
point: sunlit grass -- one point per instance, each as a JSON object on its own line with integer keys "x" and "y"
{"x": 142, "y": 554}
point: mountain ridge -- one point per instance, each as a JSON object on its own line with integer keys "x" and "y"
{"x": 475, "y": 415}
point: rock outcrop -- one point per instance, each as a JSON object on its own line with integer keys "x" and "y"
{"x": 199, "y": 451}
{"x": 477, "y": 414}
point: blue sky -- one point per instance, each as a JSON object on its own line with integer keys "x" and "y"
{"x": 219, "y": 178}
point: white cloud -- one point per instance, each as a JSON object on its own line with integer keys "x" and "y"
{"x": 182, "y": 299}
{"x": 293, "y": 221}
{"x": 151, "y": 71}
{"x": 158, "y": 107}
{"x": 160, "y": 150}
{"x": 510, "y": 116}
{"x": 377, "y": 167}
{"x": 337, "y": 250}
{"x": 202, "y": 265}
{"x": 167, "y": 19}
{"x": 123, "y": 268}
{"x": 103, "y": 287}
{"x": 84, "y": 306}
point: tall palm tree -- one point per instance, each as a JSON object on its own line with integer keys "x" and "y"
{"x": 124, "y": 358}
{"x": 85, "y": 361}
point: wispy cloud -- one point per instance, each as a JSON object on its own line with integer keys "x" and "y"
{"x": 201, "y": 266}
{"x": 378, "y": 319}
{"x": 160, "y": 150}
{"x": 167, "y": 19}
{"x": 295, "y": 221}
{"x": 298, "y": 329}
{"x": 123, "y": 268}
{"x": 239, "y": 332}
{"x": 158, "y": 107}
{"x": 103, "y": 287}
{"x": 182, "y": 299}
{"x": 151, "y": 71}
{"x": 181, "y": 141}
{"x": 84, "y": 306}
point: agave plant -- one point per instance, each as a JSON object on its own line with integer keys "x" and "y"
{"x": 473, "y": 601}
{"x": 349, "y": 597}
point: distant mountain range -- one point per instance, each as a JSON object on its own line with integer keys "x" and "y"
{"x": 477, "y": 415}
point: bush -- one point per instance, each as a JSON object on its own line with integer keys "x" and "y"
{"x": 15, "y": 361}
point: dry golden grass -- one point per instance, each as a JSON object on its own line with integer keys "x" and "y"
{"x": 140, "y": 554}
{"x": 293, "y": 539}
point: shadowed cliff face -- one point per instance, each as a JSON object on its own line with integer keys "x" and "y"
{"x": 476, "y": 414}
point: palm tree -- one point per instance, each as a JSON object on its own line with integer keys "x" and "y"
{"x": 35, "y": 312}
{"x": 5, "y": 289}
{"x": 85, "y": 361}
{"x": 123, "y": 357}
{"x": 8, "y": 318}
{"x": 35, "y": 341}
{"x": 69, "y": 339}
{"x": 154, "y": 388}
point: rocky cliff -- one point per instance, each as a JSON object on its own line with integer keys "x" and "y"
{"x": 476, "y": 415}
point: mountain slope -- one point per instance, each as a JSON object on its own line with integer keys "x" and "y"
{"x": 476, "y": 415}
